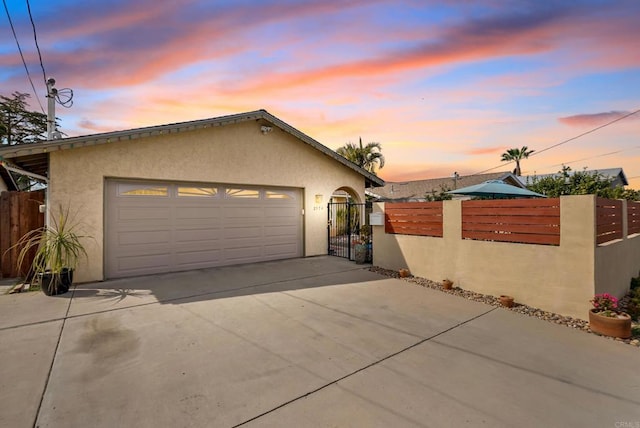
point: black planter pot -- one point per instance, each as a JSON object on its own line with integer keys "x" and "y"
{"x": 53, "y": 284}
{"x": 66, "y": 276}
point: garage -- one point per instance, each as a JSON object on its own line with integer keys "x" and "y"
{"x": 155, "y": 227}
{"x": 190, "y": 195}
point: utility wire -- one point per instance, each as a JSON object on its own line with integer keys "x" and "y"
{"x": 21, "y": 55}
{"x": 595, "y": 156}
{"x": 537, "y": 152}
{"x": 586, "y": 133}
{"x": 35, "y": 38}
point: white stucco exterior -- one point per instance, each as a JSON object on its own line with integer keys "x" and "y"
{"x": 236, "y": 153}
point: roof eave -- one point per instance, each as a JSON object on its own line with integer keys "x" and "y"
{"x": 46, "y": 147}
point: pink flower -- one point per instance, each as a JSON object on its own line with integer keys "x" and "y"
{"x": 605, "y": 302}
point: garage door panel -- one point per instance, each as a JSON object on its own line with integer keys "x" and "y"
{"x": 254, "y": 242}
{"x": 198, "y": 258}
{"x": 242, "y": 254}
{"x": 285, "y": 249}
{"x": 195, "y": 246}
{"x": 235, "y": 232}
{"x": 196, "y": 235}
{"x": 198, "y": 213}
{"x": 147, "y": 237}
{"x": 143, "y": 214}
{"x": 202, "y": 226}
{"x": 240, "y": 213}
{"x": 144, "y": 262}
{"x": 280, "y": 231}
{"x": 276, "y": 212}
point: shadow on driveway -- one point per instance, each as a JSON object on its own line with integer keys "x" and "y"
{"x": 216, "y": 283}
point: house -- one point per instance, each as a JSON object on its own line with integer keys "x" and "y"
{"x": 412, "y": 191}
{"x": 228, "y": 190}
{"x": 616, "y": 175}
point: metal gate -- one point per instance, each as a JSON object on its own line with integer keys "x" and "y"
{"x": 348, "y": 227}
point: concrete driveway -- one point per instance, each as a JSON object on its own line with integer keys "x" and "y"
{"x": 308, "y": 342}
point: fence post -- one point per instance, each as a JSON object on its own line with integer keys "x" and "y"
{"x": 625, "y": 219}
{"x": 349, "y": 230}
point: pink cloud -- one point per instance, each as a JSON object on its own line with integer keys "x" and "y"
{"x": 127, "y": 46}
{"x": 90, "y": 125}
{"x": 593, "y": 119}
{"x": 484, "y": 150}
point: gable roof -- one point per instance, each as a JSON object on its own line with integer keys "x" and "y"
{"x": 615, "y": 174}
{"x": 34, "y": 157}
{"x": 416, "y": 190}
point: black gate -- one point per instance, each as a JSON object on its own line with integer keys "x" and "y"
{"x": 349, "y": 231}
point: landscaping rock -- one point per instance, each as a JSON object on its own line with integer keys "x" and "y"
{"x": 517, "y": 307}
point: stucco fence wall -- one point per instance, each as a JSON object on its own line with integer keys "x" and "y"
{"x": 560, "y": 279}
{"x": 230, "y": 154}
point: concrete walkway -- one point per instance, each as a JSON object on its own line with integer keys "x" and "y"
{"x": 308, "y": 342}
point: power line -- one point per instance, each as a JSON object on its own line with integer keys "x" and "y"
{"x": 21, "y": 55}
{"x": 35, "y": 38}
{"x": 586, "y": 133}
{"x": 595, "y": 156}
{"x": 537, "y": 152}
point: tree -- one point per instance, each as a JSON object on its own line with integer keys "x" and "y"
{"x": 516, "y": 155}
{"x": 442, "y": 195}
{"x": 18, "y": 125}
{"x": 368, "y": 157}
{"x": 580, "y": 183}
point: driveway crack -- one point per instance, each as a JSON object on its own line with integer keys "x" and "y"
{"x": 53, "y": 360}
{"x": 361, "y": 369}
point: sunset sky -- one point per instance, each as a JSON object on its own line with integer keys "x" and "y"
{"x": 443, "y": 86}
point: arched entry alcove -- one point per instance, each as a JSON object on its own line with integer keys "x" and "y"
{"x": 349, "y": 231}
{"x": 345, "y": 194}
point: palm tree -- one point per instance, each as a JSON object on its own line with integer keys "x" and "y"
{"x": 516, "y": 155}
{"x": 368, "y": 157}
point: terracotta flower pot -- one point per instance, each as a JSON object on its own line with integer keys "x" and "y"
{"x": 403, "y": 273}
{"x": 618, "y": 326}
{"x": 506, "y": 301}
{"x": 447, "y": 284}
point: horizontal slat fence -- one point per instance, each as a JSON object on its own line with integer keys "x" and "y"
{"x": 414, "y": 218}
{"x": 633, "y": 217}
{"x": 608, "y": 220}
{"x": 526, "y": 221}
{"x": 19, "y": 214}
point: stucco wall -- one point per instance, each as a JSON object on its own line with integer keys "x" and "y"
{"x": 234, "y": 154}
{"x": 560, "y": 279}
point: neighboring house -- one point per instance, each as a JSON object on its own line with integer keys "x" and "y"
{"x": 410, "y": 191}
{"x": 221, "y": 191}
{"x": 615, "y": 174}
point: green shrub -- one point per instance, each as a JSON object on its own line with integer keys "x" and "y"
{"x": 633, "y": 308}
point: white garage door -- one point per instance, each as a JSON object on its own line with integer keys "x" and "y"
{"x": 154, "y": 227}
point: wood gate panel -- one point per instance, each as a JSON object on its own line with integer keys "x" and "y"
{"x": 19, "y": 214}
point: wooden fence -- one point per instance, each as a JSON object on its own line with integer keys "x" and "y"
{"x": 608, "y": 220}
{"x": 414, "y": 218}
{"x": 633, "y": 217}
{"x": 526, "y": 221}
{"x": 19, "y": 214}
